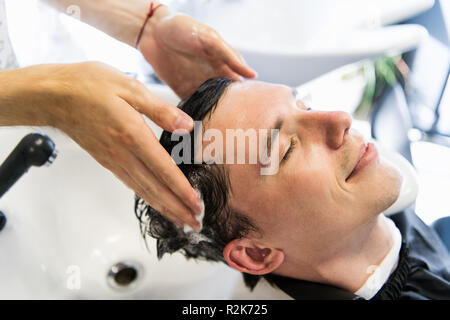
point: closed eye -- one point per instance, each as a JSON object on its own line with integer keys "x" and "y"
{"x": 291, "y": 146}
{"x": 289, "y": 150}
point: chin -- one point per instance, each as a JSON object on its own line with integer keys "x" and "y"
{"x": 389, "y": 188}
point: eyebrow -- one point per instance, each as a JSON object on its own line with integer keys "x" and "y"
{"x": 294, "y": 92}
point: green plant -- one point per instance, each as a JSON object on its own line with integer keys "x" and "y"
{"x": 379, "y": 73}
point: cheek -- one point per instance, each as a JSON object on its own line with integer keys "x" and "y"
{"x": 312, "y": 203}
{"x": 321, "y": 204}
{"x": 311, "y": 185}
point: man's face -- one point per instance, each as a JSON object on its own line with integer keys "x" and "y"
{"x": 310, "y": 202}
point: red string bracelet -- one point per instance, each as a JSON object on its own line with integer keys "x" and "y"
{"x": 149, "y": 15}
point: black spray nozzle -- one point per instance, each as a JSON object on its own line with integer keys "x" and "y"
{"x": 37, "y": 149}
{"x": 34, "y": 149}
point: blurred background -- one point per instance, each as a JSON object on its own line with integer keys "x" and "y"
{"x": 387, "y": 62}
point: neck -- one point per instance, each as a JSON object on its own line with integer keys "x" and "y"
{"x": 346, "y": 264}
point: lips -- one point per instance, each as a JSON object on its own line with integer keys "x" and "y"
{"x": 362, "y": 151}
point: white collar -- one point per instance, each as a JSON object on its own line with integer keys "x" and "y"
{"x": 381, "y": 273}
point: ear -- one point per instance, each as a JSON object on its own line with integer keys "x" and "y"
{"x": 247, "y": 256}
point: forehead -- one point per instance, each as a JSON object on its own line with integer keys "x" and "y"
{"x": 250, "y": 104}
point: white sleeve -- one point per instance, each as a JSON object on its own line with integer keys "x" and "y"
{"x": 7, "y": 57}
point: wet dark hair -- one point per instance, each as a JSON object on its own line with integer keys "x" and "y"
{"x": 221, "y": 223}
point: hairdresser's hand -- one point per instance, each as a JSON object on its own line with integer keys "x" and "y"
{"x": 100, "y": 108}
{"x": 184, "y": 52}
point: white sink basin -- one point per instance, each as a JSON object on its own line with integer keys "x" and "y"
{"x": 293, "y": 41}
{"x": 69, "y": 223}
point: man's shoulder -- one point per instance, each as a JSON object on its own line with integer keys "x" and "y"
{"x": 410, "y": 224}
{"x": 426, "y": 256}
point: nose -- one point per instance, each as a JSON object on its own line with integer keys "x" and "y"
{"x": 328, "y": 127}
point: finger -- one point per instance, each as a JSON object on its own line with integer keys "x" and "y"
{"x": 216, "y": 47}
{"x": 152, "y": 188}
{"x": 122, "y": 175}
{"x": 255, "y": 74}
{"x": 146, "y": 147}
{"x": 155, "y": 157}
{"x": 180, "y": 224}
{"x": 241, "y": 59}
{"x": 233, "y": 60}
{"x": 163, "y": 211}
{"x": 164, "y": 114}
{"x": 225, "y": 71}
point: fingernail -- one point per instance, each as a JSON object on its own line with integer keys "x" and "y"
{"x": 199, "y": 205}
{"x": 184, "y": 122}
{"x": 179, "y": 224}
{"x": 201, "y": 212}
{"x": 197, "y": 227}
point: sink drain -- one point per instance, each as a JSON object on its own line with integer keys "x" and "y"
{"x": 124, "y": 275}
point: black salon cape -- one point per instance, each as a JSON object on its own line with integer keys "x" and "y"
{"x": 423, "y": 270}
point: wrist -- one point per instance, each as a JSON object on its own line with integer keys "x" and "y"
{"x": 155, "y": 13}
{"x": 124, "y": 19}
{"x": 121, "y": 19}
{"x": 26, "y": 98}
